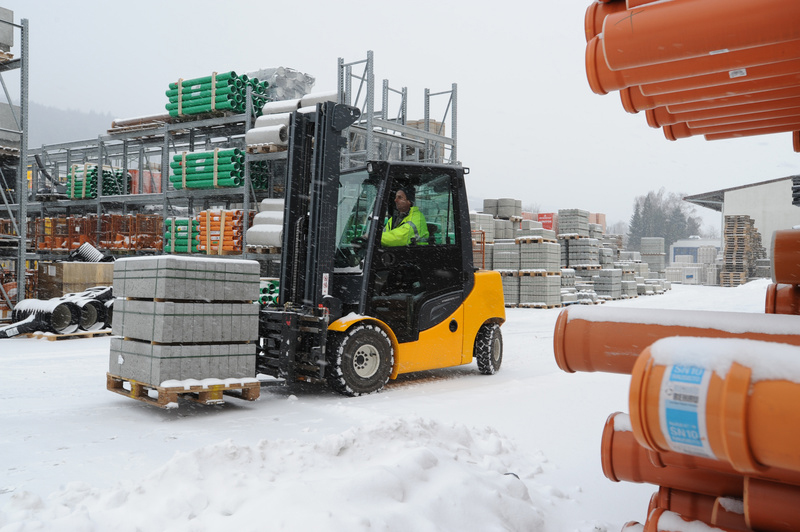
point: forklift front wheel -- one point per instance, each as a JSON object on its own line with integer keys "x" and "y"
{"x": 489, "y": 348}
{"x": 360, "y": 360}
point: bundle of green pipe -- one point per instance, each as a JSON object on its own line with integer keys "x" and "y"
{"x": 82, "y": 181}
{"x": 269, "y": 292}
{"x": 200, "y": 169}
{"x": 226, "y": 91}
{"x": 180, "y": 235}
{"x": 260, "y": 174}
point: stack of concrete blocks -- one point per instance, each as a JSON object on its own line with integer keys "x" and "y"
{"x": 540, "y": 257}
{"x": 653, "y": 253}
{"x": 509, "y": 208}
{"x": 628, "y": 282}
{"x": 482, "y": 222}
{"x": 569, "y": 294}
{"x": 606, "y": 257}
{"x": 503, "y": 229}
{"x": 595, "y": 231}
{"x": 573, "y": 222}
{"x": 506, "y": 260}
{"x": 182, "y": 318}
{"x": 540, "y": 290}
{"x": 482, "y": 255}
{"x": 580, "y": 253}
{"x": 632, "y": 256}
{"x": 532, "y": 228}
{"x": 608, "y": 283}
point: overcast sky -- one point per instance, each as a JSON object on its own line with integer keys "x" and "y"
{"x": 529, "y": 127}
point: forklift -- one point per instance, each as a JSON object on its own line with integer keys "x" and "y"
{"x": 352, "y": 312}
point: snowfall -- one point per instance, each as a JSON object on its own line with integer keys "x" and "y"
{"x": 435, "y": 451}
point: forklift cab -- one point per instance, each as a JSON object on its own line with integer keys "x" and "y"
{"x": 413, "y": 287}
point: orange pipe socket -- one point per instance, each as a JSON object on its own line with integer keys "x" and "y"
{"x": 603, "y": 80}
{"x": 716, "y": 511}
{"x": 783, "y": 299}
{"x": 751, "y": 132}
{"x": 624, "y": 459}
{"x": 721, "y": 398}
{"x": 596, "y": 13}
{"x": 661, "y": 520}
{"x": 681, "y": 29}
{"x": 771, "y": 506}
{"x": 610, "y": 339}
{"x": 786, "y": 256}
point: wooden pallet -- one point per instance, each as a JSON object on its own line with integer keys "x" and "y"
{"x": 538, "y": 273}
{"x": 52, "y": 337}
{"x": 167, "y": 397}
{"x": 539, "y": 305}
{"x": 265, "y": 148}
{"x": 264, "y": 250}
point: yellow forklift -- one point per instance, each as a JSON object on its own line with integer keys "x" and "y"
{"x": 356, "y": 313}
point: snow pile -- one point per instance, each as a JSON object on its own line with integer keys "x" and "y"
{"x": 403, "y": 474}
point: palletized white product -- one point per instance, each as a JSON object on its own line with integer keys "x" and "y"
{"x": 269, "y": 235}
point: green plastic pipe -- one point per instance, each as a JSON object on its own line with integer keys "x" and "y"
{"x": 177, "y": 178}
{"x": 226, "y": 99}
{"x": 206, "y": 79}
{"x": 229, "y": 182}
{"x": 222, "y": 87}
{"x": 208, "y": 154}
{"x": 205, "y": 109}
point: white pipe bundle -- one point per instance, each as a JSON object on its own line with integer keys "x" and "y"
{"x": 280, "y": 106}
{"x": 270, "y": 235}
{"x": 268, "y": 218}
{"x": 271, "y": 204}
{"x": 267, "y": 135}
{"x": 278, "y": 119}
{"x": 310, "y": 100}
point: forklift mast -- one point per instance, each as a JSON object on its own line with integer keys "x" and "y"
{"x": 315, "y": 143}
{"x": 293, "y": 336}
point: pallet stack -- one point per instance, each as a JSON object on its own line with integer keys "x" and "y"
{"x": 217, "y": 168}
{"x": 224, "y": 91}
{"x": 573, "y": 222}
{"x": 184, "y": 318}
{"x": 608, "y": 283}
{"x": 742, "y": 248}
{"x": 653, "y": 253}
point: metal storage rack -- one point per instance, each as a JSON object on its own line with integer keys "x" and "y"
{"x": 377, "y": 134}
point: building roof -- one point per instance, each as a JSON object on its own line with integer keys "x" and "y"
{"x": 714, "y": 200}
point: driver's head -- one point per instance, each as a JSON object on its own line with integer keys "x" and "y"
{"x": 404, "y": 198}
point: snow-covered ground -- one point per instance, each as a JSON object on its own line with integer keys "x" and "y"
{"x": 436, "y": 451}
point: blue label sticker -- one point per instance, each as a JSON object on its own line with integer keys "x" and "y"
{"x": 683, "y": 426}
{"x": 691, "y": 374}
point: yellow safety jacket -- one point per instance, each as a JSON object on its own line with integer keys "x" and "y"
{"x": 411, "y": 230}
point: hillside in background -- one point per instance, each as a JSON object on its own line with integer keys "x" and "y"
{"x": 49, "y": 125}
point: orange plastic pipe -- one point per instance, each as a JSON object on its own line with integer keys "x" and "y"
{"x": 596, "y": 12}
{"x": 796, "y": 141}
{"x": 661, "y": 520}
{"x": 682, "y": 130}
{"x": 633, "y": 100}
{"x": 681, "y": 29}
{"x": 661, "y": 116}
{"x": 753, "y": 97}
{"x": 786, "y": 256}
{"x": 624, "y": 459}
{"x": 746, "y": 117}
{"x": 782, "y": 299}
{"x": 716, "y": 406}
{"x": 588, "y": 338}
{"x": 621, "y": 422}
{"x": 731, "y": 77}
{"x": 603, "y": 80}
{"x": 751, "y": 132}
{"x": 688, "y": 504}
{"x": 771, "y": 506}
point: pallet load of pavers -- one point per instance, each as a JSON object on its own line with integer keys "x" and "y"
{"x": 608, "y": 283}
{"x": 628, "y": 282}
{"x": 653, "y": 253}
{"x": 540, "y": 273}
{"x": 573, "y": 222}
{"x": 569, "y": 294}
{"x": 184, "y": 325}
{"x": 506, "y": 257}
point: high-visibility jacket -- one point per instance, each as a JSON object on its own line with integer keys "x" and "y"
{"x": 411, "y": 229}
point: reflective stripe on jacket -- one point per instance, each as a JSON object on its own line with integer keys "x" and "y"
{"x": 412, "y": 228}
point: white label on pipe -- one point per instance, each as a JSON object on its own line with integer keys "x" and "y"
{"x": 13, "y": 331}
{"x": 682, "y": 409}
{"x": 325, "y": 277}
{"x": 738, "y": 73}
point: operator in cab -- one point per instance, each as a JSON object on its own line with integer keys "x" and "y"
{"x": 408, "y": 225}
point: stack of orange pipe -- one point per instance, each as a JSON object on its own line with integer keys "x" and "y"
{"x": 665, "y": 55}
{"x": 221, "y": 231}
{"x": 714, "y": 402}
{"x": 783, "y": 295}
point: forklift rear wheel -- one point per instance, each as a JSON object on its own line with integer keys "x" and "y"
{"x": 489, "y": 348}
{"x": 360, "y": 360}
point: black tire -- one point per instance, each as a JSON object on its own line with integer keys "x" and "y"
{"x": 359, "y": 360}
{"x": 489, "y": 348}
